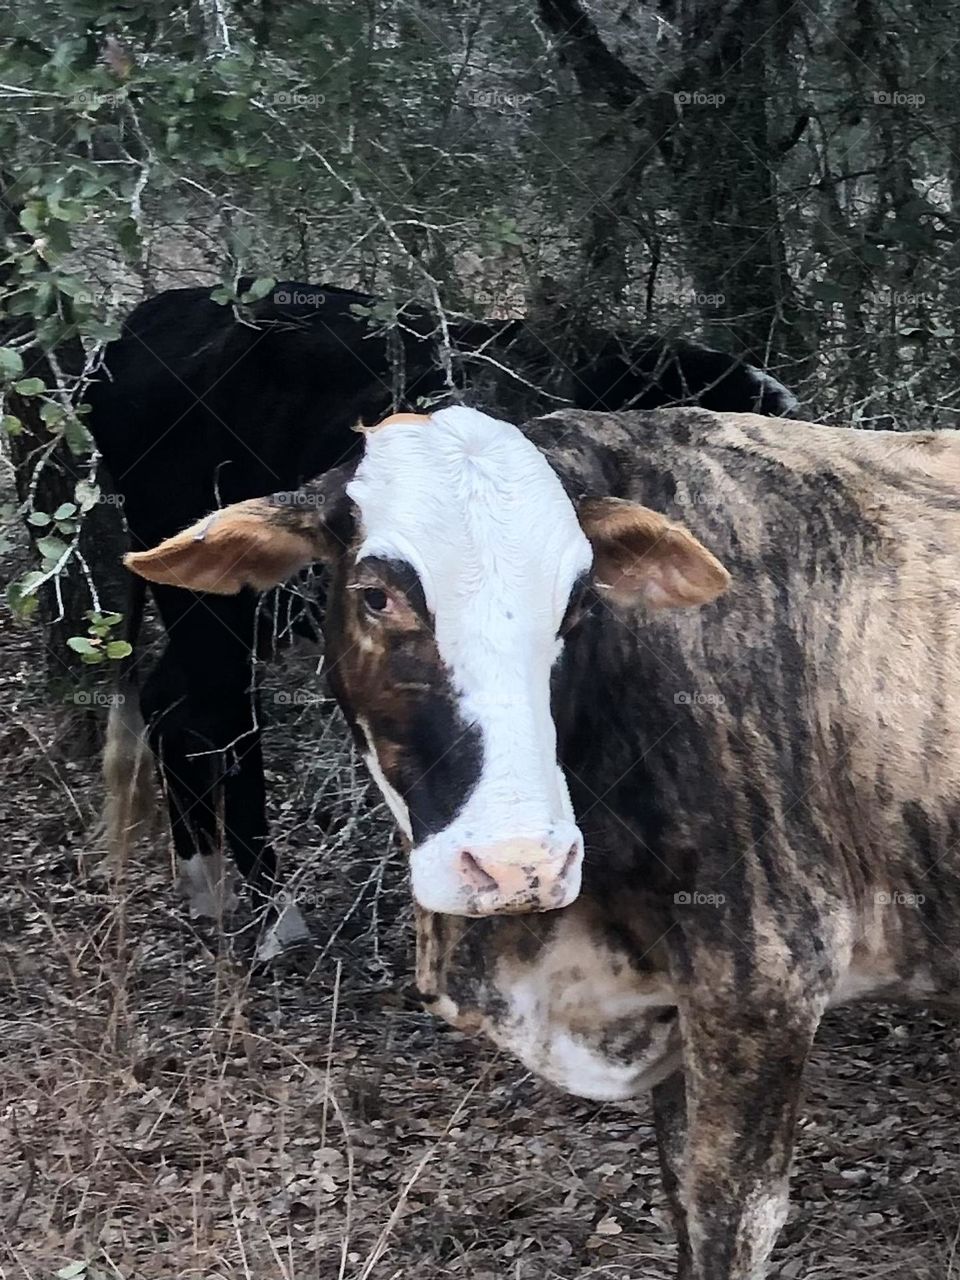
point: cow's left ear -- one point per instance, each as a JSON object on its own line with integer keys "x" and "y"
{"x": 641, "y": 557}
{"x": 259, "y": 543}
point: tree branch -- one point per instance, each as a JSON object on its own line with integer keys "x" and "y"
{"x": 793, "y": 137}
{"x": 600, "y": 74}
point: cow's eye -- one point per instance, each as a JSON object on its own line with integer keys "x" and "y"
{"x": 376, "y": 599}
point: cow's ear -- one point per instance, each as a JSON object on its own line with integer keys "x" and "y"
{"x": 258, "y": 543}
{"x": 641, "y": 557}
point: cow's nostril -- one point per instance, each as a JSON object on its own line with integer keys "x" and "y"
{"x": 479, "y": 878}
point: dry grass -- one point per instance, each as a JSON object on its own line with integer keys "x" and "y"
{"x": 164, "y": 1112}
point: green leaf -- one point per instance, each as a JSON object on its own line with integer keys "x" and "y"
{"x": 30, "y": 387}
{"x": 65, "y": 510}
{"x": 86, "y": 495}
{"x": 66, "y": 210}
{"x": 11, "y": 363}
{"x": 52, "y": 548}
{"x": 22, "y": 303}
{"x": 259, "y": 289}
{"x": 50, "y": 330}
{"x": 31, "y": 219}
{"x": 39, "y": 518}
{"x": 20, "y": 603}
{"x": 30, "y": 581}
{"x": 11, "y": 424}
{"x": 81, "y": 645}
{"x": 223, "y": 295}
{"x": 77, "y": 436}
{"x": 119, "y": 649}
{"x": 74, "y": 287}
{"x": 51, "y": 414}
{"x": 102, "y": 331}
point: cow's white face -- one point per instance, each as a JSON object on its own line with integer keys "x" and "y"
{"x": 459, "y": 564}
{"x": 467, "y": 511}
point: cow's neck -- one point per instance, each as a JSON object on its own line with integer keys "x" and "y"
{"x": 619, "y": 737}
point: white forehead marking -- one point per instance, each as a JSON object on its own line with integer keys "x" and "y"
{"x": 471, "y": 504}
{"x": 481, "y": 516}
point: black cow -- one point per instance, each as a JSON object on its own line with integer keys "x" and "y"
{"x": 686, "y": 686}
{"x": 198, "y": 407}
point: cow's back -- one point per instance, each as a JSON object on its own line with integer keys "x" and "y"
{"x": 795, "y": 745}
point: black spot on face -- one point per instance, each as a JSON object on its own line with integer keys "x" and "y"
{"x": 386, "y": 672}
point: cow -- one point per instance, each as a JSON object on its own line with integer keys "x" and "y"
{"x": 197, "y": 407}
{"x": 665, "y": 706}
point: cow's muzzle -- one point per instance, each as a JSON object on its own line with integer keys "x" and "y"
{"x": 501, "y": 877}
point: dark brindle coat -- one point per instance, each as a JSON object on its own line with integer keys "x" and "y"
{"x": 768, "y": 786}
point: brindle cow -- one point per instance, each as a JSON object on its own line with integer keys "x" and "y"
{"x": 758, "y": 745}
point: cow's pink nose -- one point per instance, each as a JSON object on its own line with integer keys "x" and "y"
{"x": 520, "y": 875}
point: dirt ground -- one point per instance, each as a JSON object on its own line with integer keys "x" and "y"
{"x": 164, "y": 1112}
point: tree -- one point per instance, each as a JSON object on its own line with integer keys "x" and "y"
{"x": 779, "y": 180}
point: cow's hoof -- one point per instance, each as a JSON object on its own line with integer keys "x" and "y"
{"x": 288, "y": 935}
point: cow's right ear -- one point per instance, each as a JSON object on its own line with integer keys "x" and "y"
{"x": 259, "y": 543}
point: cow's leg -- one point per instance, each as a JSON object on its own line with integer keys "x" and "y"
{"x": 245, "y": 802}
{"x": 207, "y": 737}
{"x": 670, "y": 1119}
{"x": 743, "y": 1058}
{"x": 235, "y": 788}
{"x": 190, "y": 780}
